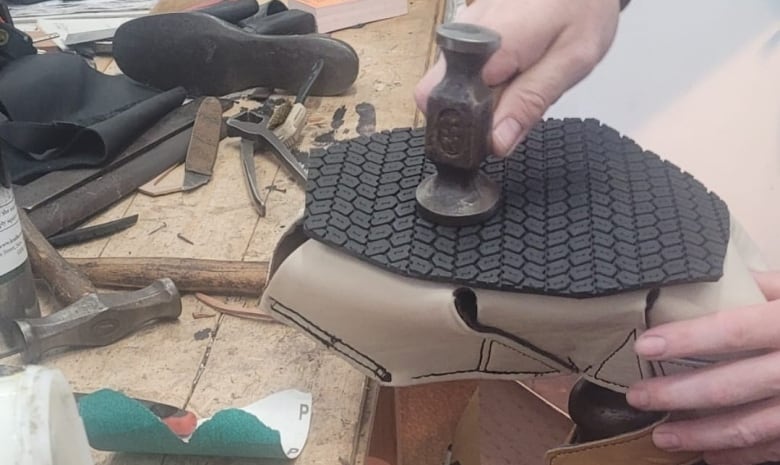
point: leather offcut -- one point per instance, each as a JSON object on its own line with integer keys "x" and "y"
{"x": 634, "y": 448}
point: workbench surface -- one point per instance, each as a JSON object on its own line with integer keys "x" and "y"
{"x": 217, "y": 362}
{"x": 211, "y": 363}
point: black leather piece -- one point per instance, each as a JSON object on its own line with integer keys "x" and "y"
{"x": 60, "y": 113}
{"x": 586, "y": 212}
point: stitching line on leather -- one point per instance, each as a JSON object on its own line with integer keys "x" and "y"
{"x": 378, "y": 370}
{"x": 555, "y": 370}
{"x": 596, "y": 374}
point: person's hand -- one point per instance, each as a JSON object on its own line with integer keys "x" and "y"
{"x": 739, "y": 400}
{"x": 547, "y": 46}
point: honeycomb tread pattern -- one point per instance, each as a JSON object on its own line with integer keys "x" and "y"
{"x": 586, "y": 212}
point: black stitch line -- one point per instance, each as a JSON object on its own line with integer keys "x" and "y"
{"x": 661, "y": 367}
{"x": 576, "y": 368}
{"x": 378, "y": 370}
{"x": 639, "y": 366}
{"x": 596, "y": 374}
{"x": 491, "y": 372}
{"x": 527, "y": 356}
{"x": 482, "y": 354}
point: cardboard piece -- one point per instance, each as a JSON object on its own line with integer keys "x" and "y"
{"x": 505, "y": 423}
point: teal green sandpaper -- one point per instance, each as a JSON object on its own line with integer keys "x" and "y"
{"x": 117, "y": 423}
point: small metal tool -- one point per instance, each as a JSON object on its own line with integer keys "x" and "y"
{"x": 94, "y": 320}
{"x": 250, "y": 173}
{"x": 459, "y": 119}
{"x": 204, "y": 144}
{"x": 252, "y": 128}
{"x": 88, "y": 233}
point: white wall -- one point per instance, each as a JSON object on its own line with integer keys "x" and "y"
{"x": 698, "y": 82}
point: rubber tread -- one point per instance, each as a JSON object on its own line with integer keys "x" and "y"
{"x": 586, "y": 212}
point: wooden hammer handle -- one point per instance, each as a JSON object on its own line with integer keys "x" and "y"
{"x": 189, "y": 275}
{"x": 67, "y": 282}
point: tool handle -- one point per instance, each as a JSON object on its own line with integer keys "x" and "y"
{"x": 99, "y": 319}
{"x": 189, "y": 275}
{"x": 67, "y": 282}
{"x": 305, "y": 89}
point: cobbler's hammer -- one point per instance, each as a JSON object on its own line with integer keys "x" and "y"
{"x": 459, "y": 119}
{"x": 89, "y": 318}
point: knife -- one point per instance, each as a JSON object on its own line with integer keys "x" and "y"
{"x": 204, "y": 144}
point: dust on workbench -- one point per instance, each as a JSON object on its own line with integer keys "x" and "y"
{"x": 242, "y": 360}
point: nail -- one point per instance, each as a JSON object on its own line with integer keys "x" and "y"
{"x": 650, "y": 346}
{"x": 507, "y": 134}
{"x": 664, "y": 440}
{"x": 638, "y": 398}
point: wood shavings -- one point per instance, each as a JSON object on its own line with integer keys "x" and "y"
{"x": 234, "y": 310}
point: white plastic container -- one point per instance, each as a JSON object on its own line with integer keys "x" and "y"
{"x": 39, "y": 419}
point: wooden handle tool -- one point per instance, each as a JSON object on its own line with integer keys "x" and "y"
{"x": 190, "y": 275}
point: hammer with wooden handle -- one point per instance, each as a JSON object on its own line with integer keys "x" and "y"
{"x": 89, "y": 318}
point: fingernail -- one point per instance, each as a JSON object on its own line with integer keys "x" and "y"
{"x": 638, "y": 398}
{"x": 664, "y": 440}
{"x": 507, "y": 134}
{"x": 650, "y": 346}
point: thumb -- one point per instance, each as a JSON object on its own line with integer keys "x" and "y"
{"x": 525, "y": 100}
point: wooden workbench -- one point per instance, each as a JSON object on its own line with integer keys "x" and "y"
{"x": 208, "y": 364}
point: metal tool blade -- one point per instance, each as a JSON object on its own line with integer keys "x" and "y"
{"x": 78, "y": 236}
{"x": 11, "y": 339}
{"x": 285, "y": 156}
{"x": 193, "y": 180}
{"x": 250, "y": 173}
{"x": 204, "y": 144}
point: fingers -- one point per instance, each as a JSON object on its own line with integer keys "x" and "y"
{"x": 751, "y": 328}
{"x": 526, "y": 99}
{"x": 762, "y": 453}
{"x": 751, "y": 426}
{"x": 427, "y": 83}
{"x": 728, "y": 385}
{"x": 769, "y": 282}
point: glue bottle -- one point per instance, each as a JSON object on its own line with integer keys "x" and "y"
{"x": 39, "y": 419}
{"x": 17, "y": 285}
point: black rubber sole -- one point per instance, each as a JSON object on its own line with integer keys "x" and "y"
{"x": 585, "y": 213}
{"x": 208, "y": 56}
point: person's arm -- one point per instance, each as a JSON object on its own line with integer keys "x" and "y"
{"x": 547, "y": 47}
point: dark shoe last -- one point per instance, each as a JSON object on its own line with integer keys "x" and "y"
{"x": 208, "y": 56}
{"x": 289, "y": 22}
{"x": 231, "y": 11}
{"x": 271, "y": 8}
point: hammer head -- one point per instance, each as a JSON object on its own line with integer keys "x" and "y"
{"x": 99, "y": 319}
{"x": 459, "y": 119}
